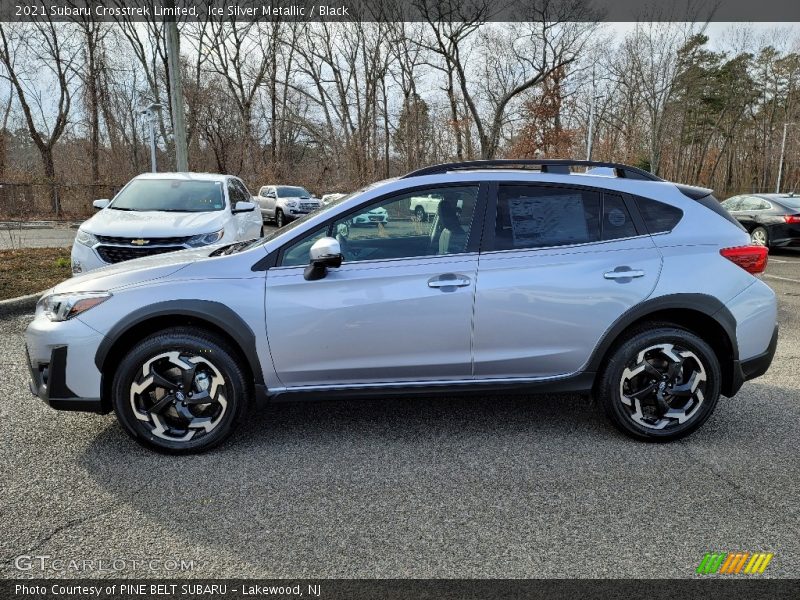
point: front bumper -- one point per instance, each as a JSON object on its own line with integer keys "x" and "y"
{"x": 49, "y": 383}
{"x": 295, "y": 213}
{"x": 85, "y": 259}
{"x": 60, "y": 358}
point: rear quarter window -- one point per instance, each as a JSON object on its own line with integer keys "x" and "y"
{"x": 657, "y": 216}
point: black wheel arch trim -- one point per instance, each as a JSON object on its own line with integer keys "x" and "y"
{"x": 702, "y": 303}
{"x": 215, "y": 313}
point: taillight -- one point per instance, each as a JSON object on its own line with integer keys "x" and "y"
{"x": 752, "y": 259}
{"x": 793, "y": 219}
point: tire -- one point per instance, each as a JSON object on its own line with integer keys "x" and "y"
{"x": 201, "y": 362}
{"x": 760, "y": 237}
{"x": 640, "y": 403}
{"x": 261, "y": 233}
{"x": 280, "y": 220}
{"x": 419, "y": 212}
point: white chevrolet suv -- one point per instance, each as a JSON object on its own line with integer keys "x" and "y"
{"x": 163, "y": 212}
{"x": 642, "y": 292}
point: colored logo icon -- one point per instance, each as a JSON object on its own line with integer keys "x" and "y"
{"x": 734, "y": 563}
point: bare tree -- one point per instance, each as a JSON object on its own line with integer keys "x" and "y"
{"x": 35, "y": 55}
{"x": 513, "y": 58}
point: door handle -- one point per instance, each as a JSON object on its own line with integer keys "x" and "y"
{"x": 448, "y": 280}
{"x": 623, "y": 273}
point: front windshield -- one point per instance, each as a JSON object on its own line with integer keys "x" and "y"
{"x": 170, "y": 195}
{"x": 292, "y": 192}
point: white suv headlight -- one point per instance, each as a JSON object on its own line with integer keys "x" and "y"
{"x": 204, "y": 239}
{"x": 291, "y": 203}
{"x": 85, "y": 238}
{"x": 60, "y": 307}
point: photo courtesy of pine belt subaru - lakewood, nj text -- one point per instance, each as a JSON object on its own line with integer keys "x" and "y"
{"x": 532, "y": 276}
{"x": 164, "y": 212}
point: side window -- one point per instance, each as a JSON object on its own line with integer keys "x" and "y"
{"x": 617, "y": 221}
{"x": 657, "y": 216}
{"x": 297, "y": 254}
{"x": 749, "y": 203}
{"x": 732, "y": 204}
{"x": 247, "y": 196}
{"x": 763, "y": 204}
{"x": 235, "y": 193}
{"x": 536, "y": 216}
{"x": 394, "y": 228}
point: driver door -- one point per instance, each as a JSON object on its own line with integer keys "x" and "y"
{"x": 398, "y": 310}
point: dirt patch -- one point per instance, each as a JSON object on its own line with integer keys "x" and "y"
{"x": 32, "y": 270}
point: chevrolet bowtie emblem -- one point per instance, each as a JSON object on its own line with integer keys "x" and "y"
{"x": 140, "y": 242}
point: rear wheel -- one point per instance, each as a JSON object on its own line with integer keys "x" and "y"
{"x": 660, "y": 383}
{"x": 180, "y": 391}
{"x": 759, "y": 236}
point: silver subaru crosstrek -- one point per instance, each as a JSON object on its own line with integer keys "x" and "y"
{"x": 532, "y": 276}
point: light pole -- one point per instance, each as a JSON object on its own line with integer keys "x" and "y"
{"x": 176, "y": 91}
{"x": 780, "y": 164}
{"x": 150, "y": 113}
{"x": 590, "y": 133}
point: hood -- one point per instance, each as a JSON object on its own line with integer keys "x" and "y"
{"x": 153, "y": 223}
{"x": 132, "y": 272}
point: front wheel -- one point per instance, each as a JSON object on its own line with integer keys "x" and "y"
{"x": 180, "y": 391}
{"x": 280, "y": 220}
{"x": 660, "y": 383}
{"x": 419, "y": 212}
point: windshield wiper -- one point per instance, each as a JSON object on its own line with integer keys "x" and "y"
{"x": 122, "y": 208}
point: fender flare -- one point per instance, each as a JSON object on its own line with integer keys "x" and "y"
{"x": 703, "y": 303}
{"x": 215, "y": 313}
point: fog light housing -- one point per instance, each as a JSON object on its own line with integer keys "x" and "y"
{"x": 77, "y": 267}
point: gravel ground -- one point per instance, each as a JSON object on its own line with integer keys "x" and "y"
{"x": 499, "y": 487}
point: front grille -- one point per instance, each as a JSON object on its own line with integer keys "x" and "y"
{"x": 115, "y": 254}
{"x": 307, "y": 206}
{"x": 152, "y": 241}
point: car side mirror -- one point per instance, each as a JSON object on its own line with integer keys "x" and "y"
{"x": 324, "y": 254}
{"x": 101, "y": 204}
{"x": 243, "y": 206}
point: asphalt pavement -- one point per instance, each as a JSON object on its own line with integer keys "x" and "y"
{"x": 495, "y": 487}
{"x": 43, "y": 235}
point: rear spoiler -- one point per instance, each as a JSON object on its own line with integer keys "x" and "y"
{"x": 706, "y": 197}
{"x": 693, "y": 192}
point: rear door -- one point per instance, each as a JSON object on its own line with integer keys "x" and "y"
{"x": 560, "y": 265}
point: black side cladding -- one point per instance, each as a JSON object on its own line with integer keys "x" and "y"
{"x": 706, "y": 197}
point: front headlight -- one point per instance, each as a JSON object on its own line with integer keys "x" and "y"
{"x": 204, "y": 239}
{"x": 291, "y": 203}
{"x": 60, "y": 307}
{"x": 85, "y": 238}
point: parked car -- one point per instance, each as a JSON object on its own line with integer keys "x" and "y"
{"x": 375, "y": 216}
{"x": 772, "y": 220}
{"x": 426, "y": 206}
{"x": 285, "y": 203}
{"x": 328, "y": 198}
{"x": 165, "y": 212}
{"x": 640, "y": 291}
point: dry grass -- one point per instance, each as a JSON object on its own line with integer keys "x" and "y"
{"x": 32, "y": 270}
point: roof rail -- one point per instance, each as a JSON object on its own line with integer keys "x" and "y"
{"x": 553, "y": 165}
